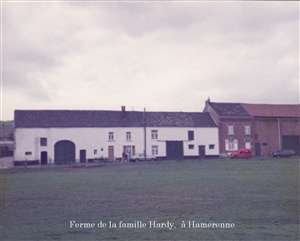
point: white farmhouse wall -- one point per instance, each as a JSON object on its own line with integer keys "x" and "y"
{"x": 96, "y": 141}
{"x": 89, "y": 139}
{"x": 202, "y": 136}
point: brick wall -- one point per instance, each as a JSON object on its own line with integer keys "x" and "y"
{"x": 239, "y": 132}
{"x": 269, "y": 131}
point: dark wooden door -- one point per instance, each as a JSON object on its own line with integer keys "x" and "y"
{"x": 44, "y": 157}
{"x": 111, "y": 153}
{"x": 202, "y": 153}
{"x": 64, "y": 152}
{"x": 82, "y": 156}
{"x": 174, "y": 150}
{"x": 257, "y": 149}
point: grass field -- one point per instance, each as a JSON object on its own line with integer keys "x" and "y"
{"x": 259, "y": 196}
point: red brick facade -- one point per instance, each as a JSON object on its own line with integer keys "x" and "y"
{"x": 239, "y": 137}
{"x": 272, "y": 127}
{"x": 269, "y": 133}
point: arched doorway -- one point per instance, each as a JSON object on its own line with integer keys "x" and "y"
{"x": 64, "y": 152}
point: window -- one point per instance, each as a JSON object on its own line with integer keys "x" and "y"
{"x": 191, "y": 135}
{"x": 110, "y": 136}
{"x": 155, "y": 150}
{"x": 129, "y": 149}
{"x": 230, "y": 129}
{"x": 43, "y": 141}
{"x": 231, "y": 144}
{"x": 128, "y": 135}
{"x": 95, "y": 151}
{"x": 28, "y": 153}
{"x": 247, "y": 129}
{"x": 154, "y": 134}
{"x": 248, "y": 144}
{"x": 191, "y": 146}
{"x": 211, "y": 146}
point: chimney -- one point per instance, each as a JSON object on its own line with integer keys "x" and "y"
{"x": 123, "y": 108}
{"x": 207, "y": 105}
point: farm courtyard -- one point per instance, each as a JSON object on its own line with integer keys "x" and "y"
{"x": 166, "y": 200}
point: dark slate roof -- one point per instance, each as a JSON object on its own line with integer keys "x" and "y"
{"x": 103, "y": 118}
{"x": 6, "y": 131}
{"x": 229, "y": 109}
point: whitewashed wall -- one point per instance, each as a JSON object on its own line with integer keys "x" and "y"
{"x": 90, "y": 139}
{"x": 202, "y": 136}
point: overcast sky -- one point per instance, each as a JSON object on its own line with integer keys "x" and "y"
{"x": 165, "y": 56}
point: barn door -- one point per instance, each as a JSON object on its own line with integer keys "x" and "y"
{"x": 64, "y": 152}
{"x": 174, "y": 150}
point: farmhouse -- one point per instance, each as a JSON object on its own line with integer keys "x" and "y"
{"x": 264, "y": 128}
{"x": 66, "y": 136}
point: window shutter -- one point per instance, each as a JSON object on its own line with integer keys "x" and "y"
{"x": 226, "y": 145}
{"x": 235, "y": 143}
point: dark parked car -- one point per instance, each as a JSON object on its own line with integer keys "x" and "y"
{"x": 283, "y": 153}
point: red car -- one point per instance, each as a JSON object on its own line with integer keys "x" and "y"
{"x": 242, "y": 153}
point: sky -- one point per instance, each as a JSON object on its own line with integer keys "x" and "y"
{"x": 162, "y": 56}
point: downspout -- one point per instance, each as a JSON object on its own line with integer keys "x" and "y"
{"x": 279, "y": 134}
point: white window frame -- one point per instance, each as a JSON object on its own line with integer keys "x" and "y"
{"x": 247, "y": 128}
{"x": 248, "y": 144}
{"x": 110, "y": 136}
{"x": 231, "y": 144}
{"x": 154, "y": 134}
{"x": 154, "y": 150}
{"x": 128, "y": 149}
{"x": 230, "y": 129}
{"x": 128, "y": 136}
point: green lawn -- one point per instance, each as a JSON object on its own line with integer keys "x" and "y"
{"x": 259, "y": 196}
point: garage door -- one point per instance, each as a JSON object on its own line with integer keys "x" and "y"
{"x": 291, "y": 142}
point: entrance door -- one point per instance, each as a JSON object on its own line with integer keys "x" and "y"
{"x": 202, "y": 153}
{"x": 257, "y": 149}
{"x": 174, "y": 150}
{"x": 64, "y": 152}
{"x": 44, "y": 157}
{"x": 82, "y": 156}
{"x": 111, "y": 154}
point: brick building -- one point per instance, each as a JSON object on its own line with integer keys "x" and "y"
{"x": 264, "y": 128}
{"x": 275, "y": 127}
{"x": 234, "y": 123}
